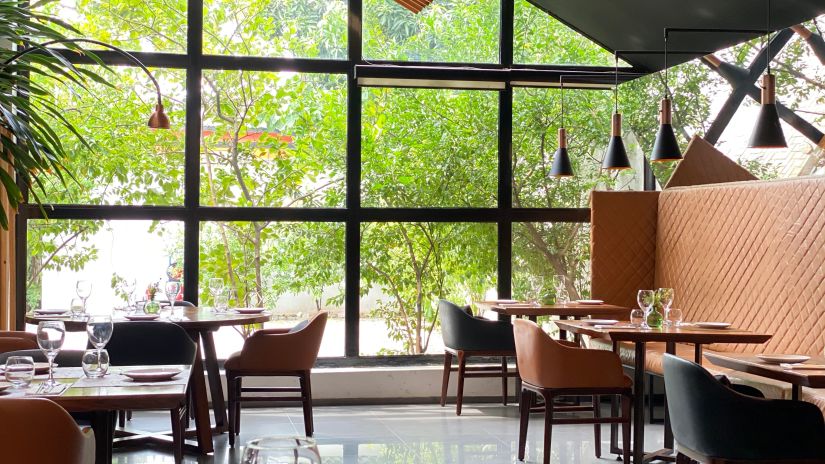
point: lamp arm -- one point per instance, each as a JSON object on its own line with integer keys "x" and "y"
{"x": 122, "y": 52}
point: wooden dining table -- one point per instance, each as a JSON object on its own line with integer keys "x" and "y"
{"x": 624, "y": 332}
{"x": 743, "y": 362}
{"x": 200, "y": 324}
{"x": 114, "y": 392}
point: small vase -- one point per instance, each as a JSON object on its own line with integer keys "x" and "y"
{"x": 152, "y": 307}
{"x": 655, "y": 319}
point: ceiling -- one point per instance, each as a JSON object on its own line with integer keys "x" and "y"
{"x": 638, "y": 25}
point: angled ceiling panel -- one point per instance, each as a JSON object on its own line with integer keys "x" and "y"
{"x": 638, "y": 25}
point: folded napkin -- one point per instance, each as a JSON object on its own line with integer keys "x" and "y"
{"x": 817, "y": 367}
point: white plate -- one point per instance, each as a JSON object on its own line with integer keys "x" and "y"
{"x": 152, "y": 375}
{"x": 590, "y": 302}
{"x": 783, "y": 358}
{"x": 142, "y": 317}
{"x": 4, "y": 386}
{"x": 47, "y": 312}
{"x": 600, "y": 321}
{"x": 712, "y": 325}
{"x": 249, "y": 310}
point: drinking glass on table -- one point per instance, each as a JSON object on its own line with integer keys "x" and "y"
{"x": 50, "y": 337}
{"x": 83, "y": 288}
{"x": 129, "y": 287}
{"x": 19, "y": 371}
{"x": 562, "y": 295}
{"x": 77, "y": 308}
{"x": 172, "y": 290}
{"x": 221, "y": 302}
{"x": 281, "y": 450}
{"x": 646, "y": 300}
{"x": 637, "y": 317}
{"x": 99, "y": 329}
{"x": 215, "y": 286}
{"x": 253, "y": 299}
{"x": 665, "y": 297}
{"x": 674, "y": 317}
{"x": 95, "y": 363}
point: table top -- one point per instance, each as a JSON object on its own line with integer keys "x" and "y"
{"x": 193, "y": 319}
{"x": 112, "y": 392}
{"x": 684, "y": 334}
{"x": 572, "y": 309}
{"x": 751, "y": 364}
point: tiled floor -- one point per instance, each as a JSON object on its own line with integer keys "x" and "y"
{"x": 400, "y": 434}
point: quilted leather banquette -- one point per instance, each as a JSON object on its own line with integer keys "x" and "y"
{"x": 750, "y": 253}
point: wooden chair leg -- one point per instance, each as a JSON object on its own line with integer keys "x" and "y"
{"x": 462, "y": 366}
{"x": 504, "y": 380}
{"x": 231, "y": 402}
{"x": 627, "y": 403}
{"x": 597, "y": 428}
{"x": 445, "y": 380}
{"x": 177, "y": 433}
{"x": 121, "y": 418}
{"x": 306, "y": 394}
{"x": 524, "y": 421}
{"x": 548, "y": 427}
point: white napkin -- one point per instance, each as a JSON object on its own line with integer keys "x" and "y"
{"x": 802, "y": 366}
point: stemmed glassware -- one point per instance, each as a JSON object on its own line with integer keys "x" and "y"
{"x": 129, "y": 287}
{"x": 83, "y": 288}
{"x": 50, "y": 337}
{"x": 172, "y": 289}
{"x": 99, "y": 328}
{"x": 665, "y": 297}
{"x": 215, "y": 287}
{"x": 562, "y": 295}
{"x": 646, "y": 300}
{"x": 77, "y": 307}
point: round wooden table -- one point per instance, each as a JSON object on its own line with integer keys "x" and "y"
{"x": 200, "y": 324}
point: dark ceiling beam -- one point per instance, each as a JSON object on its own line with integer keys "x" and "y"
{"x": 742, "y": 81}
{"x": 815, "y": 41}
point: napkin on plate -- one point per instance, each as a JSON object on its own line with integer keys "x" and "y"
{"x": 802, "y": 366}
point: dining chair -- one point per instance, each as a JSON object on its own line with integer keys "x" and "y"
{"x": 12, "y": 340}
{"x": 466, "y": 336}
{"x": 715, "y": 424}
{"x": 550, "y": 369}
{"x": 153, "y": 343}
{"x": 37, "y": 431}
{"x": 275, "y": 353}
{"x": 66, "y": 358}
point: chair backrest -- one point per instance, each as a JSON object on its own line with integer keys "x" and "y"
{"x": 455, "y": 322}
{"x": 17, "y": 340}
{"x": 150, "y": 343}
{"x": 291, "y": 351}
{"x": 184, "y": 303}
{"x": 536, "y": 353}
{"x": 39, "y": 431}
{"x": 66, "y": 358}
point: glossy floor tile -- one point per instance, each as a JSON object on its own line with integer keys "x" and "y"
{"x": 399, "y": 434}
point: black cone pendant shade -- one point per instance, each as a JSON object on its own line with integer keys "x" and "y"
{"x": 615, "y": 158}
{"x": 768, "y": 131}
{"x": 561, "y": 160}
{"x": 665, "y": 148}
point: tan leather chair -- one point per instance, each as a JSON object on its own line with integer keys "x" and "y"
{"x": 38, "y": 431}
{"x": 552, "y": 369}
{"x": 275, "y": 353}
{"x": 15, "y": 341}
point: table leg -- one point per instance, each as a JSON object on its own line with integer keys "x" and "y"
{"x": 795, "y": 392}
{"x": 200, "y": 403}
{"x": 103, "y": 429}
{"x": 210, "y": 359}
{"x": 697, "y": 354}
{"x": 639, "y": 405}
{"x": 670, "y": 348}
{"x": 614, "y": 411}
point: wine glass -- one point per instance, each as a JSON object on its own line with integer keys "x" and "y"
{"x": 77, "y": 308}
{"x": 50, "y": 336}
{"x": 562, "y": 296}
{"x": 646, "y": 299}
{"x": 665, "y": 297}
{"x": 100, "y": 330}
{"x": 281, "y": 450}
{"x": 215, "y": 286}
{"x": 172, "y": 289}
{"x": 129, "y": 287}
{"x": 84, "y": 290}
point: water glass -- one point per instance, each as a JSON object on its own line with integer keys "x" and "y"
{"x": 281, "y": 450}
{"x": 674, "y": 317}
{"x": 172, "y": 290}
{"x": 637, "y": 317}
{"x": 84, "y": 290}
{"x": 665, "y": 297}
{"x": 77, "y": 307}
{"x": 221, "y": 302}
{"x": 19, "y": 371}
{"x": 50, "y": 337}
{"x": 562, "y": 295}
{"x": 215, "y": 286}
{"x": 646, "y": 300}
{"x": 99, "y": 329}
{"x": 95, "y": 363}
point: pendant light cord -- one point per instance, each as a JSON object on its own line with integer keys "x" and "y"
{"x": 667, "y": 88}
{"x": 616, "y": 85}
{"x": 561, "y": 82}
{"x": 768, "y": 36}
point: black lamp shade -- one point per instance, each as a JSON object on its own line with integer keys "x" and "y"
{"x": 615, "y": 158}
{"x": 561, "y": 164}
{"x": 665, "y": 148}
{"x": 768, "y": 131}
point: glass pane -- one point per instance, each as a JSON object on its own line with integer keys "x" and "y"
{"x": 407, "y": 267}
{"x": 287, "y": 28}
{"x": 296, "y": 268}
{"x": 540, "y": 38}
{"x": 536, "y": 119}
{"x": 128, "y": 162}
{"x": 464, "y": 31}
{"x": 429, "y": 148}
{"x": 136, "y": 25}
{"x": 273, "y": 139}
{"x": 61, "y": 252}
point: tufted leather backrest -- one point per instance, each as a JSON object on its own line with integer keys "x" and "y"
{"x": 749, "y": 253}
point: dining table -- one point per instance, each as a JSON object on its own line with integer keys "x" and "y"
{"x": 812, "y": 376}
{"x": 686, "y": 333}
{"x": 102, "y": 397}
{"x": 200, "y": 324}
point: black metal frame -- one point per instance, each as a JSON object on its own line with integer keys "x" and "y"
{"x": 353, "y": 214}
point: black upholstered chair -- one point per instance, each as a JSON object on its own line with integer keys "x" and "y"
{"x": 66, "y": 358}
{"x": 466, "y": 336}
{"x": 714, "y": 424}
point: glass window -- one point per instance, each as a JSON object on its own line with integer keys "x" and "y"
{"x": 296, "y": 268}
{"x": 273, "y": 139}
{"x": 123, "y": 160}
{"x": 429, "y": 148}
{"x": 284, "y": 28}
{"x": 407, "y": 267}
{"x": 137, "y": 25}
{"x": 464, "y": 31}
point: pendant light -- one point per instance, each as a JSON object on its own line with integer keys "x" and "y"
{"x": 665, "y": 147}
{"x": 615, "y": 158}
{"x": 562, "y": 167}
{"x": 768, "y": 131}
